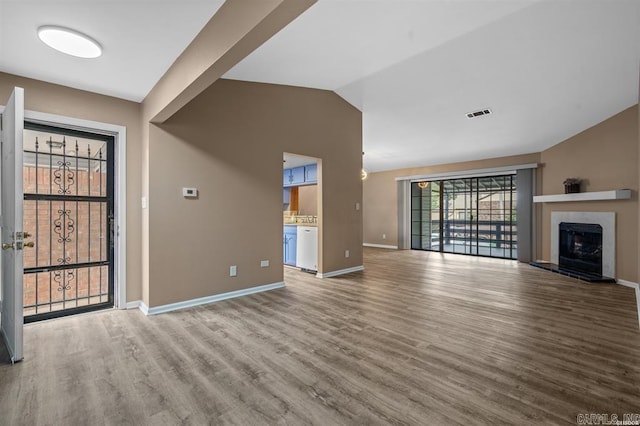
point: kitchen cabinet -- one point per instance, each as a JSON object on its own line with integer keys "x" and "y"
{"x": 293, "y": 177}
{"x": 311, "y": 173}
{"x": 303, "y": 175}
{"x": 290, "y": 238}
{"x": 286, "y": 195}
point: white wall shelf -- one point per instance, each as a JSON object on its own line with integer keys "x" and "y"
{"x": 618, "y": 194}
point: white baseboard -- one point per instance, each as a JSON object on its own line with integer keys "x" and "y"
{"x": 208, "y": 299}
{"x": 144, "y": 308}
{"x": 340, "y": 272}
{"x": 133, "y": 305}
{"x": 635, "y": 286}
{"x": 384, "y": 246}
{"x": 628, "y": 283}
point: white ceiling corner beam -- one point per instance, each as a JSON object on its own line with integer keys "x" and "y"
{"x": 237, "y": 28}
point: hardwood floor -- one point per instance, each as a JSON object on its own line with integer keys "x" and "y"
{"x": 417, "y": 338}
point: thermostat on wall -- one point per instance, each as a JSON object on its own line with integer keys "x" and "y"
{"x": 190, "y": 192}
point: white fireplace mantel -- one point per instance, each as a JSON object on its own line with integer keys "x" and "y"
{"x": 617, "y": 194}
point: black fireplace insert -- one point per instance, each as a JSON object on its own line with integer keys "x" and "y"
{"x": 580, "y": 247}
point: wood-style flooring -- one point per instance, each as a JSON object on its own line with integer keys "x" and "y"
{"x": 417, "y": 338}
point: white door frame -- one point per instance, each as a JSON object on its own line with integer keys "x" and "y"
{"x": 120, "y": 188}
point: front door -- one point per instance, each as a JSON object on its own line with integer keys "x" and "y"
{"x": 69, "y": 209}
{"x": 12, "y": 235}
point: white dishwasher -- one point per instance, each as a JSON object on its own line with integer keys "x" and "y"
{"x": 307, "y": 248}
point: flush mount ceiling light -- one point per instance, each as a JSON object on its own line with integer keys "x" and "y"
{"x": 69, "y": 41}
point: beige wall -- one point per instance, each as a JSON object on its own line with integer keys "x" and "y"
{"x": 380, "y": 196}
{"x": 228, "y": 142}
{"x": 64, "y": 101}
{"x": 237, "y": 28}
{"x": 605, "y": 157}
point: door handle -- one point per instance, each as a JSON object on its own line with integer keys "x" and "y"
{"x": 30, "y": 244}
{"x": 27, "y": 235}
{"x": 7, "y": 246}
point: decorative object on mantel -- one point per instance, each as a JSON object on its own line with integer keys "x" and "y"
{"x": 571, "y": 185}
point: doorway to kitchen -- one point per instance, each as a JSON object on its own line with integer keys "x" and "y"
{"x": 69, "y": 210}
{"x": 300, "y": 206}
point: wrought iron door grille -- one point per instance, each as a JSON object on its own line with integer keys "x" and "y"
{"x": 68, "y": 208}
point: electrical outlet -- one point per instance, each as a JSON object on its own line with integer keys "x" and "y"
{"x": 357, "y": 206}
{"x": 346, "y": 253}
{"x": 384, "y": 236}
{"x": 264, "y": 263}
{"x": 233, "y": 271}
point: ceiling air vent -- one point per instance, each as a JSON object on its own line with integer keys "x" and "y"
{"x": 478, "y": 113}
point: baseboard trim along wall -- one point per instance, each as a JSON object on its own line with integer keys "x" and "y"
{"x": 133, "y": 305}
{"x": 384, "y": 246}
{"x": 635, "y": 286}
{"x": 208, "y": 299}
{"x": 340, "y": 272}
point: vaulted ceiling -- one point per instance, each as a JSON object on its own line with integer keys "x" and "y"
{"x": 547, "y": 69}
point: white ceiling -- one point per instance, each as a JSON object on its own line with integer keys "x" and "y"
{"x": 548, "y": 69}
{"x": 140, "y": 38}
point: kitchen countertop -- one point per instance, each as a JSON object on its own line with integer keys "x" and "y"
{"x": 301, "y": 224}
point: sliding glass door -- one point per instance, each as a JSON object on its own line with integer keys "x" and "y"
{"x": 473, "y": 216}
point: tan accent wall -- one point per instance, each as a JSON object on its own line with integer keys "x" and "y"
{"x": 64, "y": 101}
{"x": 605, "y": 157}
{"x": 228, "y": 142}
{"x": 237, "y": 28}
{"x": 380, "y": 194}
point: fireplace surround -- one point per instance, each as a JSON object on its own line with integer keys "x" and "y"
{"x": 585, "y": 223}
